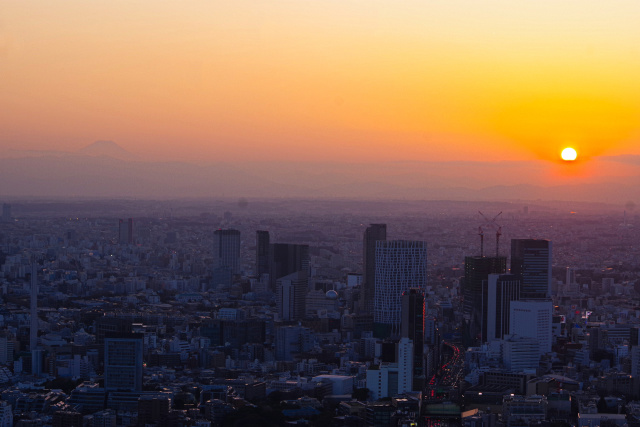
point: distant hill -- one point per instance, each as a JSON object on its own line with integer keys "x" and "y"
{"x": 107, "y": 149}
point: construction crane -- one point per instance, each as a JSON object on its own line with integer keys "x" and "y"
{"x": 493, "y": 224}
{"x": 481, "y": 234}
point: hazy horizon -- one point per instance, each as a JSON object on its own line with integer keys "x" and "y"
{"x": 106, "y": 170}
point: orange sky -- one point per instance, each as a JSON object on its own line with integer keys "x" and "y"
{"x": 322, "y": 79}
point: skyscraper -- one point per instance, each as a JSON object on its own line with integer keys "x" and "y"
{"x": 531, "y": 263}
{"x": 499, "y": 290}
{"x": 392, "y": 378}
{"x": 262, "y": 252}
{"x": 285, "y": 259}
{"x": 123, "y": 362}
{"x": 36, "y": 353}
{"x": 125, "y": 231}
{"x": 412, "y": 327}
{"x": 291, "y": 291}
{"x": 373, "y": 234}
{"x": 400, "y": 265}
{"x": 406, "y": 372}
{"x": 226, "y": 250}
{"x": 533, "y": 319}
{"x": 33, "y": 332}
{"x": 476, "y": 272}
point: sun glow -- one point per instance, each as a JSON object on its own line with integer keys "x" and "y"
{"x": 569, "y": 154}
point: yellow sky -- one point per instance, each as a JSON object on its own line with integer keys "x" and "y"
{"x": 322, "y": 79}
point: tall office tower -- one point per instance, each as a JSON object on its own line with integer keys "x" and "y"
{"x": 531, "y": 262}
{"x": 498, "y": 291}
{"x": 285, "y": 258}
{"x": 226, "y": 250}
{"x": 123, "y": 362}
{"x": 405, "y": 365}
{"x": 533, "y": 319}
{"x": 291, "y": 291}
{"x": 6, "y": 212}
{"x": 570, "y": 277}
{"x": 262, "y": 252}
{"x": 373, "y": 234}
{"x": 412, "y": 327}
{"x": 33, "y": 332}
{"x": 400, "y": 265}
{"x": 476, "y": 272}
{"x": 36, "y": 354}
{"x": 125, "y": 231}
{"x": 392, "y": 378}
{"x": 7, "y": 348}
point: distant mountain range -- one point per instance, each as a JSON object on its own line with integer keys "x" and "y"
{"x": 107, "y": 149}
{"x": 104, "y": 169}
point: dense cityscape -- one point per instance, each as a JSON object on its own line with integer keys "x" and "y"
{"x": 195, "y": 313}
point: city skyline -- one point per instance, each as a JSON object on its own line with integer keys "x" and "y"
{"x": 231, "y": 213}
{"x": 142, "y": 326}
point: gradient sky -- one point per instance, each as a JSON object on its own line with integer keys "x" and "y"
{"x": 350, "y": 80}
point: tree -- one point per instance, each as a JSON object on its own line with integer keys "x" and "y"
{"x": 361, "y": 394}
{"x": 251, "y": 416}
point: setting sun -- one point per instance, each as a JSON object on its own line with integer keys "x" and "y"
{"x": 569, "y": 154}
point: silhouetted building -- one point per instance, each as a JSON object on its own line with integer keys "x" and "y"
{"x": 400, "y": 265}
{"x": 262, "y": 252}
{"x": 285, "y": 259}
{"x": 123, "y": 362}
{"x": 291, "y": 291}
{"x": 531, "y": 263}
{"x": 226, "y": 250}
{"x": 476, "y": 272}
{"x": 499, "y": 290}
{"x": 36, "y": 353}
{"x": 373, "y": 234}
{"x": 412, "y": 327}
{"x": 125, "y": 231}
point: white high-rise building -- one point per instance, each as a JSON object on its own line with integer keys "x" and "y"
{"x": 390, "y": 379}
{"x": 400, "y": 265}
{"x": 520, "y": 353}
{"x": 405, "y": 365}
{"x": 533, "y": 319}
